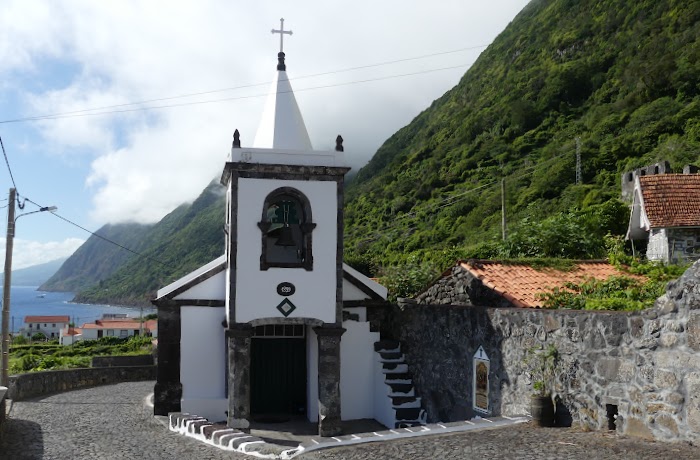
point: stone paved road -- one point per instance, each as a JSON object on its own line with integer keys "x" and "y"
{"x": 98, "y": 423}
{"x": 109, "y": 423}
{"x": 522, "y": 441}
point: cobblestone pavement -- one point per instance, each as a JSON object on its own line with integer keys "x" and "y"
{"x": 110, "y": 423}
{"x": 523, "y": 441}
{"x": 106, "y": 422}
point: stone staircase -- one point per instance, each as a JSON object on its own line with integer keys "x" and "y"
{"x": 396, "y": 404}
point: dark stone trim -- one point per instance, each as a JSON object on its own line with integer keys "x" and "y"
{"x": 339, "y": 272}
{"x": 329, "y": 401}
{"x": 365, "y": 303}
{"x": 284, "y": 172}
{"x": 275, "y": 320}
{"x": 233, "y": 248}
{"x": 189, "y": 303}
{"x": 362, "y": 286}
{"x": 195, "y": 281}
{"x": 168, "y": 388}
{"x": 239, "y": 353}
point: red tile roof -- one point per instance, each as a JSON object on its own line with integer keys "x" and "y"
{"x": 671, "y": 200}
{"x": 47, "y": 319}
{"x": 73, "y": 331}
{"x": 114, "y": 324}
{"x": 520, "y": 283}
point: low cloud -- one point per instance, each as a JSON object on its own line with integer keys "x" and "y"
{"x": 28, "y": 253}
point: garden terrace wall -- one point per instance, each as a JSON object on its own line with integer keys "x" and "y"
{"x": 647, "y": 364}
{"x": 33, "y": 384}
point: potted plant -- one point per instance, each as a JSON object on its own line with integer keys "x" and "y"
{"x": 542, "y": 363}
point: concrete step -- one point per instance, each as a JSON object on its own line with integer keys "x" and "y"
{"x": 394, "y": 368}
{"x": 387, "y": 345}
{"x": 390, "y": 356}
{"x": 405, "y": 402}
{"x": 409, "y": 413}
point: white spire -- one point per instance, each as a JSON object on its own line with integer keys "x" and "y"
{"x": 281, "y": 125}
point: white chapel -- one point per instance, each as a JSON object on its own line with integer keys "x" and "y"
{"x": 277, "y": 324}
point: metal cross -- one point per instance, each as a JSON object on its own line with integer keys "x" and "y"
{"x": 281, "y": 31}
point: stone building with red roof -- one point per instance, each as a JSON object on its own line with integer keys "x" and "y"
{"x": 492, "y": 283}
{"x": 666, "y": 214}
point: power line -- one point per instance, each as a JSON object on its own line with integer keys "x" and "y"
{"x": 201, "y": 93}
{"x": 7, "y": 162}
{"x": 100, "y": 236}
{"x": 183, "y": 104}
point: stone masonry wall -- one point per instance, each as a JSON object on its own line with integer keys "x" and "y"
{"x": 33, "y": 384}
{"x": 647, "y": 364}
{"x": 460, "y": 288}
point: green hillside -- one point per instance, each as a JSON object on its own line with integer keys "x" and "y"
{"x": 623, "y": 77}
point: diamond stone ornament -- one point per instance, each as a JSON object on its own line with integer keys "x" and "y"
{"x": 286, "y": 307}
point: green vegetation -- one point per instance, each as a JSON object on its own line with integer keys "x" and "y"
{"x": 627, "y": 293}
{"x": 48, "y": 356}
{"x": 624, "y": 78}
{"x": 621, "y": 77}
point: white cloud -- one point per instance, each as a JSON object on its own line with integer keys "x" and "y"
{"x": 146, "y": 163}
{"x": 28, "y": 253}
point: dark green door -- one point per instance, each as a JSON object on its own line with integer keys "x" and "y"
{"x": 278, "y": 376}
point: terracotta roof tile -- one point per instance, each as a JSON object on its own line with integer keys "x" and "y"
{"x": 47, "y": 319}
{"x": 520, "y": 283}
{"x": 671, "y": 200}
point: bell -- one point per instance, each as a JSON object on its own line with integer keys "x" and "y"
{"x": 286, "y": 237}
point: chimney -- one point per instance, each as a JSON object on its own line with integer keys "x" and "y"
{"x": 690, "y": 169}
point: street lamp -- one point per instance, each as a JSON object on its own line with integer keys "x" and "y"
{"x": 11, "y": 222}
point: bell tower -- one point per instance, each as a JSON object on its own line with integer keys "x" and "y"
{"x": 284, "y": 248}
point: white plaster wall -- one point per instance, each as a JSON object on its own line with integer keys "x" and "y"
{"x": 657, "y": 249}
{"x": 256, "y": 290}
{"x": 361, "y": 312}
{"x": 311, "y": 375}
{"x": 357, "y": 371}
{"x": 351, "y": 292}
{"x": 213, "y": 288}
{"x": 89, "y": 334}
{"x": 202, "y": 362}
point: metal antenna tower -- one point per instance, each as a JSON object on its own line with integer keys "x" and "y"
{"x": 578, "y": 161}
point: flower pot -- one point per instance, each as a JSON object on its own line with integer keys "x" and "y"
{"x": 542, "y": 410}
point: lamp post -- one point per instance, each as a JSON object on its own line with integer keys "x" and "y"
{"x": 9, "y": 243}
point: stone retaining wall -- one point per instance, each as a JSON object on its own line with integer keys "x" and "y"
{"x": 24, "y": 386}
{"x": 644, "y": 365}
{"x": 122, "y": 361}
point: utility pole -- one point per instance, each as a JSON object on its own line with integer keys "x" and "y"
{"x": 503, "y": 208}
{"x": 579, "y": 180}
{"x": 9, "y": 242}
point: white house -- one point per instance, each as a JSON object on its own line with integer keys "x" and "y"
{"x": 277, "y": 324}
{"x": 70, "y": 335}
{"x": 666, "y": 212}
{"x": 118, "y": 328}
{"x": 50, "y": 326}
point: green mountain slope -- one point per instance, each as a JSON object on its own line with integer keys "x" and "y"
{"x": 185, "y": 239}
{"x": 97, "y": 259}
{"x": 623, "y": 77}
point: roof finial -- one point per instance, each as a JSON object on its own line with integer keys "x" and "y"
{"x": 236, "y": 140}
{"x": 280, "y": 55}
{"x": 339, "y": 144}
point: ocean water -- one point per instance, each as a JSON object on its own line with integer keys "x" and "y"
{"x": 26, "y": 300}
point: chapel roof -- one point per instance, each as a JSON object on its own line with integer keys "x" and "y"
{"x": 671, "y": 200}
{"x": 520, "y": 283}
{"x": 281, "y": 125}
{"x": 47, "y": 319}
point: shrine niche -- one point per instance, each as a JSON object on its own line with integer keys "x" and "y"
{"x": 480, "y": 384}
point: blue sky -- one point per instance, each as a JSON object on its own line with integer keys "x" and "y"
{"x": 136, "y": 166}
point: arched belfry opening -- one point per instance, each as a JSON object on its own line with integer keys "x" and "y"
{"x": 287, "y": 229}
